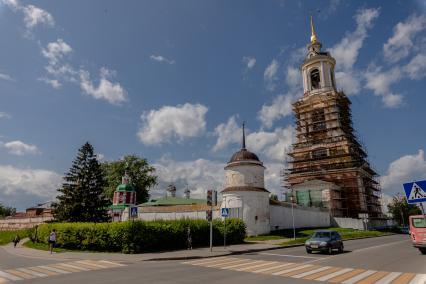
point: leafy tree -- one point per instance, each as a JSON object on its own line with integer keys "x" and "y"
{"x": 138, "y": 169}
{"x": 82, "y": 198}
{"x": 6, "y": 211}
{"x": 401, "y": 210}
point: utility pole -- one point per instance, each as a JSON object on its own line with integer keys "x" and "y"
{"x": 292, "y": 215}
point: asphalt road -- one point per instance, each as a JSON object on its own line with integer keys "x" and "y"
{"x": 389, "y": 259}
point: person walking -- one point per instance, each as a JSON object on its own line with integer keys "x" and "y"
{"x": 189, "y": 238}
{"x": 52, "y": 240}
{"x": 16, "y": 240}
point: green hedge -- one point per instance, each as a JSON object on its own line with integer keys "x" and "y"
{"x": 141, "y": 236}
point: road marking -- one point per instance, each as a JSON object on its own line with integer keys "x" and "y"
{"x": 112, "y": 264}
{"x": 404, "y": 278}
{"x": 78, "y": 268}
{"x": 31, "y": 272}
{"x": 240, "y": 264}
{"x": 292, "y": 269}
{"x": 290, "y": 274}
{"x": 10, "y": 276}
{"x": 60, "y": 271}
{"x": 311, "y": 272}
{"x": 389, "y": 278}
{"x": 334, "y": 274}
{"x": 69, "y": 269}
{"x": 222, "y": 260}
{"x": 198, "y": 261}
{"x": 419, "y": 279}
{"x": 250, "y": 268}
{"x": 226, "y": 263}
{"x": 373, "y": 278}
{"x": 322, "y": 273}
{"x": 20, "y": 274}
{"x": 290, "y": 255}
{"x": 379, "y": 246}
{"x": 346, "y": 276}
{"x": 272, "y": 267}
{"x": 45, "y": 271}
{"x": 359, "y": 277}
{"x": 89, "y": 263}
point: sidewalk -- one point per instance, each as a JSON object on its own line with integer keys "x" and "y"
{"x": 169, "y": 255}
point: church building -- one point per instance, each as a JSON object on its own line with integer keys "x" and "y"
{"x": 328, "y": 166}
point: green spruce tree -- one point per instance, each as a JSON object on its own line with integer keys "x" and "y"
{"x": 82, "y": 198}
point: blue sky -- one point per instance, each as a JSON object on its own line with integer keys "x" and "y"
{"x": 172, "y": 81}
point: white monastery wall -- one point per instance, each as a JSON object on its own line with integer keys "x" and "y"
{"x": 281, "y": 217}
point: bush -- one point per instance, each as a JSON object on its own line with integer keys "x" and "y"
{"x": 141, "y": 236}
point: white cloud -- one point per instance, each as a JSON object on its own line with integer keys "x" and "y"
{"x": 406, "y": 168}
{"x": 281, "y": 106}
{"x": 346, "y": 51}
{"x": 270, "y": 74}
{"x": 182, "y": 121}
{"x": 4, "y": 115}
{"x": 26, "y": 186}
{"x": 293, "y": 77}
{"x": 416, "y": 68}
{"x": 249, "y": 61}
{"x": 401, "y": 43}
{"x": 54, "y": 83}
{"x": 55, "y": 51}
{"x": 6, "y": 77}
{"x": 34, "y": 15}
{"x": 380, "y": 82}
{"x": 114, "y": 93}
{"x": 160, "y": 58}
{"x": 227, "y": 133}
{"x": 200, "y": 175}
{"x": 274, "y": 145}
{"x": 20, "y": 148}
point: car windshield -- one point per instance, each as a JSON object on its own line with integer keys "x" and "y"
{"x": 321, "y": 235}
{"x": 419, "y": 223}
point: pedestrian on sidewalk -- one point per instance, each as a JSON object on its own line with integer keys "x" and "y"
{"x": 52, "y": 240}
{"x": 16, "y": 240}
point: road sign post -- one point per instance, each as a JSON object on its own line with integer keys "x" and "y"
{"x": 225, "y": 213}
{"x": 416, "y": 193}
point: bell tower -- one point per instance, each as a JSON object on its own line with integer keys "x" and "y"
{"x": 328, "y": 166}
{"x": 318, "y": 68}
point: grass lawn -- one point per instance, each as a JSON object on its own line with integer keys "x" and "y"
{"x": 7, "y": 236}
{"x": 42, "y": 246}
{"x": 303, "y": 234}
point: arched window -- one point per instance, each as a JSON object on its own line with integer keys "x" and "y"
{"x": 319, "y": 153}
{"x": 315, "y": 79}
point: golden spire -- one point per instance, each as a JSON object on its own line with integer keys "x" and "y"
{"x": 313, "y": 34}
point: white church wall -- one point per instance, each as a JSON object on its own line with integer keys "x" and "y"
{"x": 245, "y": 175}
{"x": 255, "y": 210}
{"x": 281, "y": 217}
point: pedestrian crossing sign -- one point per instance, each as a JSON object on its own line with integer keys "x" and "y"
{"x": 415, "y": 191}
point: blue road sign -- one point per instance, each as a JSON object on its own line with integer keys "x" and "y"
{"x": 225, "y": 212}
{"x": 415, "y": 191}
{"x": 134, "y": 211}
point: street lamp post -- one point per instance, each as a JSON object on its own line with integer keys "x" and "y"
{"x": 292, "y": 215}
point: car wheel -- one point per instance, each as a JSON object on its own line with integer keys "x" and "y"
{"x": 422, "y": 250}
{"x": 330, "y": 250}
{"x": 309, "y": 251}
{"x": 341, "y": 248}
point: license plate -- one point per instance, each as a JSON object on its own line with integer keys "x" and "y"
{"x": 314, "y": 246}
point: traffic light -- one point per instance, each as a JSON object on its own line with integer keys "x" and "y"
{"x": 215, "y": 198}
{"x": 209, "y": 197}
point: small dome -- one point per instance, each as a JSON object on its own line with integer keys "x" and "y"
{"x": 244, "y": 155}
{"x": 125, "y": 187}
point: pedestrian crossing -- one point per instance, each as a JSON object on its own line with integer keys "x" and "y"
{"x": 24, "y": 273}
{"x": 310, "y": 271}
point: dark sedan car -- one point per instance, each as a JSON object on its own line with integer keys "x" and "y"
{"x": 324, "y": 241}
